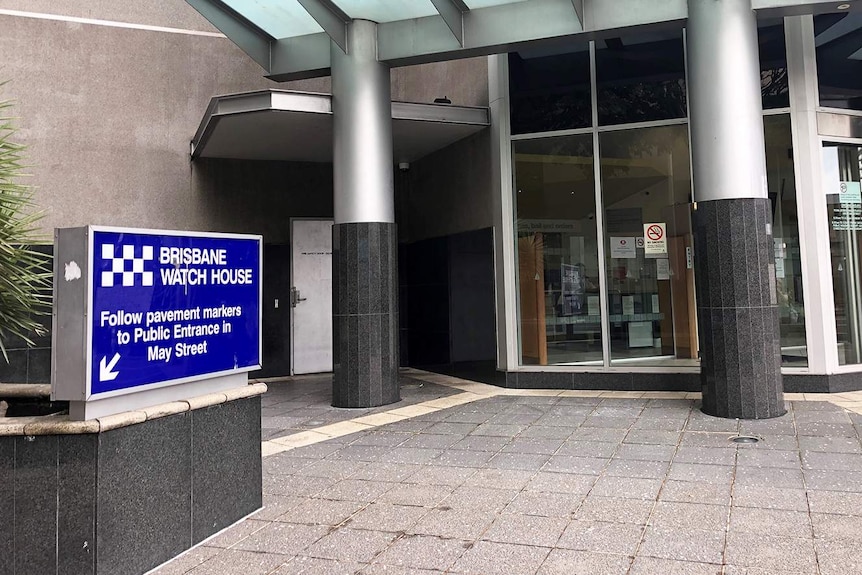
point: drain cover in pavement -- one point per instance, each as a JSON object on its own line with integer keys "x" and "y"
{"x": 745, "y": 439}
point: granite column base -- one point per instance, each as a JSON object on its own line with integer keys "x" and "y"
{"x": 365, "y": 314}
{"x": 737, "y": 309}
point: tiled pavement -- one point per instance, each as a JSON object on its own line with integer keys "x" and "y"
{"x": 475, "y": 479}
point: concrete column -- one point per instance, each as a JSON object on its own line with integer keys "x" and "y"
{"x": 364, "y": 236}
{"x": 734, "y": 259}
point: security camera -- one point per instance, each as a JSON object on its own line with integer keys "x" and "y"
{"x": 403, "y": 166}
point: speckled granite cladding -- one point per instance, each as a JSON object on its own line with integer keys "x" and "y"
{"x": 365, "y": 314}
{"x": 127, "y": 499}
{"x": 737, "y": 310}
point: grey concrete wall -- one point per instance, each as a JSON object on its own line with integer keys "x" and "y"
{"x": 108, "y": 112}
{"x": 464, "y": 82}
{"x": 449, "y": 192}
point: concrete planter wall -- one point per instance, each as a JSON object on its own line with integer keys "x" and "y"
{"x": 123, "y": 494}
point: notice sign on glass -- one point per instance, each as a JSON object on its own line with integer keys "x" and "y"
{"x": 623, "y": 248}
{"x": 162, "y": 308}
{"x": 655, "y": 239}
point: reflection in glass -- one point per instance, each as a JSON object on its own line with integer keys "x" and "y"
{"x": 841, "y": 173}
{"x": 646, "y": 191}
{"x": 838, "y": 38}
{"x": 785, "y": 226}
{"x": 640, "y": 77}
{"x": 550, "y": 91}
{"x": 558, "y": 273}
{"x": 774, "y": 87}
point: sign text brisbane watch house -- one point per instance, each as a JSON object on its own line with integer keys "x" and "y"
{"x": 144, "y": 316}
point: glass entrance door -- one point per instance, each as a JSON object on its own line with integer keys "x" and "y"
{"x": 842, "y": 164}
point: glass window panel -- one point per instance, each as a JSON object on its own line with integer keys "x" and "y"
{"x": 785, "y": 227}
{"x": 774, "y": 87}
{"x": 838, "y": 38}
{"x": 558, "y": 273}
{"x": 641, "y": 77}
{"x": 842, "y": 165}
{"x": 386, "y": 10}
{"x": 550, "y": 91}
{"x": 646, "y": 191}
{"x": 277, "y": 18}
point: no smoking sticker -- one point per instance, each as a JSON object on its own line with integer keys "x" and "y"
{"x": 655, "y": 240}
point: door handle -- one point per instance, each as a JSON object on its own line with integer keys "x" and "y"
{"x": 294, "y": 297}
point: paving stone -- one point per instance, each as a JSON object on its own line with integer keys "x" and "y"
{"x": 641, "y": 452}
{"x": 392, "y": 472}
{"x": 431, "y": 441}
{"x": 387, "y": 517}
{"x": 778, "y": 426}
{"x": 714, "y": 474}
{"x": 236, "y": 533}
{"x": 780, "y": 554}
{"x": 382, "y": 438}
{"x": 321, "y": 512}
{"x": 489, "y": 558}
{"x": 605, "y": 422}
{"x": 316, "y": 566}
{"x": 469, "y": 497}
{"x": 706, "y": 455}
{"x": 546, "y": 428}
{"x": 460, "y": 429}
{"x": 500, "y": 479}
{"x": 188, "y": 561}
{"x": 838, "y": 557}
{"x": 533, "y": 445}
{"x": 658, "y": 423}
{"x": 277, "y": 505}
{"x": 410, "y": 455}
{"x": 422, "y": 552}
{"x": 614, "y": 509}
{"x": 635, "y": 468}
{"x": 847, "y": 481}
{"x": 464, "y": 458}
{"x": 439, "y": 475}
{"x": 416, "y": 495}
{"x": 655, "y": 566}
{"x": 526, "y": 529}
{"x": 835, "y": 502}
{"x": 379, "y": 569}
{"x": 350, "y": 545}
{"x": 300, "y": 486}
{"x": 679, "y": 515}
{"x": 570, "y": 562}
{"x": 830, "y": 444}
{"x": 316, "y": 451}
{"x": 481, "y": 443}
{"x": 616, "y": 538}
{"x": 779, "y": 522}
{"x": 355, "y": 452}
{"x": 603, "y": 435}
{"x": 237, "y": 561}
{"x": 573, "y": 464}
{"x": 543, "y": 504}
{"x": 514, "y": 418}
{"x": 837, "y": 527}
{"x": 454, "y": 523}
{"x": 356, "y": 490}
{"x": 831, "y": 461}
{"x": 333, "y": 469}
{"x": 692, "y": 492}
{"x": 695, "y": 545}
{"x": 652, "y": 437}
{"x": 705, "y": 439}
{"x": 774, "y": 477}
{"x": 819, "y": 429}
{"x": 282, "y": 538}
{"x": 766, "y": 497}
{"x": 768, "y": 458}
{"x": 570, "y": 483}
{"x": 628, "y": 487}
{"x": 524, "y": 461}
{"x": 499, "y": 430}
{"x": 703, "y": 422}
{"x": 803, "y": 417}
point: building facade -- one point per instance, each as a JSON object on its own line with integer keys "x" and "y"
{"x": 662, "y": 199}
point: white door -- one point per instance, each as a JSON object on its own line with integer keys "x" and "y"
{"x": 311, "y": 296}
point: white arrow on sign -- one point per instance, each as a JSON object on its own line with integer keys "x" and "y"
{"x": 106, "y": 372}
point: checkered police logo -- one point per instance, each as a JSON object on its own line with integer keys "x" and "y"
{"x": 126, "y": 269}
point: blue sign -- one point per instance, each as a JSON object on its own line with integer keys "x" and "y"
{"x": 172, "y": 308}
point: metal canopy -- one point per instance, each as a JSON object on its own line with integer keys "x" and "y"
{"x": 297, "y": 126}
{"x": 291, "y": 39}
